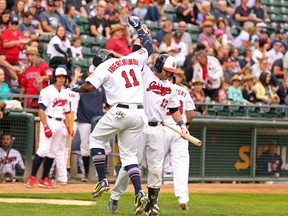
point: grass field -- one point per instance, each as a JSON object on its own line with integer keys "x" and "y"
{"x": 220, "y": 204}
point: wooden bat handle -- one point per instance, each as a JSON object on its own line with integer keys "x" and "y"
{"x": 188, "y": 137}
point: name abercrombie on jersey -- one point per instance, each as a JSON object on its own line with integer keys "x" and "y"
{"x": 159, "y": 95}
{"x": 121, "y": 78}
{"x": 56, "y": 102}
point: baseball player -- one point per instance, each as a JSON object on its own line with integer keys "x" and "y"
{"x": 123, "y": 84}
{"x": 177, "y": 147}
{"x": 54, "y": 126}
{"x": 10, "y": 159}
{"x": 160, "y": 95}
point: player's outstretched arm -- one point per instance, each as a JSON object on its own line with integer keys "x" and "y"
{"x": 134, "y": 21}
{"x": 87, "y": 87}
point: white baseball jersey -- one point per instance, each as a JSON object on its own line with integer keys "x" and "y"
{"x": 56, "y": 102}
{"x": 11, "y": 161}
{"x": 73, "y": 101}
{"x": 186, "y": 104}
{"x": 159, "y": 95}
{"x": 121, "y": 78}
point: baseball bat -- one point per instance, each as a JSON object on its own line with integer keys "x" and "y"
{"x": 188, "y": 137}
{"x": 71, "y": 126}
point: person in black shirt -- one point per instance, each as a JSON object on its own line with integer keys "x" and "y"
{"x": 98, "y": 24}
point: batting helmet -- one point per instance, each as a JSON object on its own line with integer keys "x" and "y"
{"x": 101, "y": 56}
{"x": 166, "y": 62}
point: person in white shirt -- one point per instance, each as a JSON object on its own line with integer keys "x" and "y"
{"x": 180, "y": 49}
{"x": 275, "y": 53}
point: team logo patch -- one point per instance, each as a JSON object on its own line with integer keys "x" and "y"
{"x": 141, "y": 51}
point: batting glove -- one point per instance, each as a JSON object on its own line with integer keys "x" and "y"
{"x": 75, "y": 87}
{"x": 70, "y": 132}
{"x": 47, "y": 131}
{"x": 184, "y": 129}
{"x": 134, "y": 21}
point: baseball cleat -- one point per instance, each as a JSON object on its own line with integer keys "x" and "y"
{"x": 183, "y": 206}
{"x": 30, "y": 183}
{"x": 141, "y": 200}
{"x": 153, "y": 211}
{"x": 100, "y": 187}
{"x": 112, "y": 205}
{"x": 46, "y": 183}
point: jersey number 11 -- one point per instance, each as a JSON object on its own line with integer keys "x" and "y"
{"x": 128, "y": 83}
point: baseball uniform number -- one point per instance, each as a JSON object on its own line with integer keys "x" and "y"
{"x": 128, "y": 83}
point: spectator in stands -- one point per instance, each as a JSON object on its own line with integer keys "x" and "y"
{"x": 39, "y": 7}
{"x": 3, "y": 6}
{"x": 4, "y": 19}
{"x": 36, "y": 18}
{"x": 166, "y": 28}
{"x": 27, "y": 26}
{"x": 275, "y": 53}
{"x": 80, "y": 10}
{"x": 247, "y": 61}
{"x": 12, "y": 42}
{"x": 243, "y": 13}
{"x": 90, "y": 7}
{"x": 18, "y": 10}
{"x": 11, "y": 162}
{"x": 139, "y": 10}
{"x": 187, "y": 12}
{"x": 286, "y": 91}
{"x": 186, "y": 37}
{"x": 222, "y": 51}
{"x": 49, "y": 18}
{"x": 98, "y": 24}
{"x": 260, "y": 67}
{"x": 180, "y": 49}
{"x": 153, "y": 12}
{"x": 270, "y": 162}
{"x": 277, "y": 70}
{"x": 118, "y": 43}
{"x": 223, "y": 13}
{"x": 264, "y": 34}
{"x": 261, "y": 52}
{"x": 206, "y": 11}
{"x": 59, "y": 49}
{"x": 235, "y": 92}
{"x": 69, "y": 22}
{"x": 234, "y": 56}
{"x": 198, "y": 95}
{"x": 206, "y": 37}
{"x": 210, "y": 70}
{"x": 227, "y": 72}
{"x": 4, "y": 88}
{"x": 110, "y": 7}
{"x": 218, "y": 38}
{"x": 10, "y": 71}
{"x": 166, "y": 42}
{"x": 260, "y": 11}
{"x": 243, "y": 39}
{"x": 59, "y": 7}
{"x": 35, "y": 77}
{"x": 248, "y": 90}
{"x": 114, "y": 18}
{"x": 227, "y": 36}
{"x": 279, "y": 35}
{"x": 76, "y": 48}
{"x": 264, "y": 90}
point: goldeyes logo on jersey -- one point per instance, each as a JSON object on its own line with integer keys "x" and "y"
{"x": 158, "y": 88}
{"x": 59, "y": 102}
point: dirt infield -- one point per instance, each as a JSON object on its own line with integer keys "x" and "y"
{"x": 193, "y": 188}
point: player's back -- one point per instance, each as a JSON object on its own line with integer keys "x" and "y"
{"x": 121, "y": 78}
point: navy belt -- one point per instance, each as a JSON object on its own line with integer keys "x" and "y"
{"x": 139, "y": 106}
{"x": 154, "y": 124}
{"x": 57, "y": 119}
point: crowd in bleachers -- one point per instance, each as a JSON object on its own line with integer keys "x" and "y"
{"x": 228, "y": 51}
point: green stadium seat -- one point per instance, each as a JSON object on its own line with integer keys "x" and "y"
{"x": 224, "y": 111}
{"x": 274, "y": 2}
{"x": 87, "y": 52}
{"x": 80, "y": 20}
{"x": 152, "y": 25}
{"x": 192, "y": 28}
{"x": 175, "y": 26}
{"x": 84, "y": 39}
{"x": 234, "y": 32}
{"x": 100, "y": 41}
{"x": 170, "y": 17}
{"x": 45, "y": 38}
{"x": 275, "y": 17}
{"x": 239, "y": 111}
{"x": 170, "y": 10}
{"x": 95, "y": 49}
